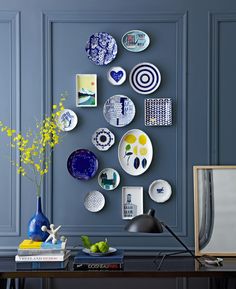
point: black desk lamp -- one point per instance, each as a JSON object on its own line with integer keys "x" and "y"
{"x": 148, "y": 223}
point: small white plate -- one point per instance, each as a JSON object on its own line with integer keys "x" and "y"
{"x": 160, "y": 191}
{"x": 99, "y": 254}
{"x": 94, "y": 201}
{"x": 109, "y": 179}
{"x": 103, "y": 139}
{"x": 116, "y": 75}
{"x": 67, "y": 120}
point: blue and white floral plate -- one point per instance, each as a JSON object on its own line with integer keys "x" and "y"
{"x": 82, "y": 164}
{"x": 119, "y": 110}
{"x": 101, "y": 48}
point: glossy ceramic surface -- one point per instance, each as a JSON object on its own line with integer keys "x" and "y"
{"x": 94, "y": 201}
{"x": 103, "y": 139}
{"x": 67, "y": 120}
{"x": 145, "y": 78}
{"x": 116, "y": 75}
{"x": 101, "y": 48}
{"x": 160, "y": 191}
{"x": 119, "y": 110}
{"x": 158, "y": 111}
{"x": 135, "y": 152}
{"x": 109, "y": 179}
{"x": 99, "y": 254}
{"x": 82, "y": 164}
{"x": 135, "y": 40}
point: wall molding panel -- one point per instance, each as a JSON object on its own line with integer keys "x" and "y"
{"x": 179, "y": 20}
{"x": 215, "y": 22}
{"x": 12, "y": 19}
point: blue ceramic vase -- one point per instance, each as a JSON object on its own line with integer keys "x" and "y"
{"x": 36, "y": 222}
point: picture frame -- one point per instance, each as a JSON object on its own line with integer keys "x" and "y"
{"x": 215, "y": 210}
{"x": 132, "y": 202}
{"x": 86, "y": 90}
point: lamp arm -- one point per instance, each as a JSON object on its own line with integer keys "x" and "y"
{"x": 178, "y": 239}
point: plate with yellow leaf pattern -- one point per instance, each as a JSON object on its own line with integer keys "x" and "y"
{"x": 135, "y": 152}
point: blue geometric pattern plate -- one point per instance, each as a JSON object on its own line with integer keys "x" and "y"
{"x": 119, "y": 110}
{"x": 82, "y": 164}
{"x": 145, "y": 78}
{"x": 103, "y": 139}
{"x": 101, "y": 48}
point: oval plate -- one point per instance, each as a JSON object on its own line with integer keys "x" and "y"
{"x": 119, "y": 110}
{"x": 109, "y": 252}
{"x": 94, "y": 201}
{"x": 101, "y": 48}
{"x": 135, "y": 40}
{"x": 160, "y": 191}
{"x": 135, "y": 152}
{"x": 109, "y": 179}
{"x": 145, "y": 78}
{"x": 82, "y": 164}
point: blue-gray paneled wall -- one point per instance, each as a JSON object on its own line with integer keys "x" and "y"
{"x": 42, "y": 49}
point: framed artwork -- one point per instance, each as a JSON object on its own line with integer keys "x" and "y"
{"x": 215, "y": 210}
{"x": 86, "y": 90}
{"x": 132, "y": 202}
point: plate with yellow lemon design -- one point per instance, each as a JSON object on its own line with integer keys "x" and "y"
{"x": 135, "y": 152}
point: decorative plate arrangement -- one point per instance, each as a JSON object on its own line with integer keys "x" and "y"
{"x": 103, "y": 139}
{"x": 116, "y": 75}
{"x": 135, "y": 40}
{"x": 109, "y": 179}
{"x": 145, "y": 78}
{"x": 135, "y": 152}
{"x": 94, "y": 201}
{"x": 98, "y": 254}
{"x": 119, "y": 110}
{"x": 160, "y": 191}
{"x": 101, "y": 48}
{"x": 82, "y": 164}
{"x": 67, "y": 120}
{"x": 158, "y": 111}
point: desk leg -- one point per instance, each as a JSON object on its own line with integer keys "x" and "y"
{"x": 18, "y": 283}
{"x": 219, "y": 283}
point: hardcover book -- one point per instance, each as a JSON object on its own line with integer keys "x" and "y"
{"x": 43, "y": 258}
{"x": 116, "y": 258}
{"x": 98, "y": 267}
{"x": 42, "y": 265}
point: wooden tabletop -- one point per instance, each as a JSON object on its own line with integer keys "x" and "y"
{"x": 134, "y": 267}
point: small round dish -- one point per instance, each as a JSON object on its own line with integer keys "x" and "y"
{"x": 82, "y": 164}
{"x": 99, "y": 254}
{"x": 101, "y": 48}
{"x": 160, "y": 191}
{"x": 108, "y": 179}
{"x": 145, "y": 78}
{"x": 119, "y": 110}
{"x": 135, "y": 40}
{"x": 116, "y": 75}
{"x": 67, "y": 120}
{"x": 103, "y": 139}
{"x": 94, "y": 201}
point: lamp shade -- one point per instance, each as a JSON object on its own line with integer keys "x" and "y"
{"x": 145, "y": 223}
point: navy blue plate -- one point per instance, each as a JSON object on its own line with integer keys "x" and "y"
{"x": 82, "y": 164}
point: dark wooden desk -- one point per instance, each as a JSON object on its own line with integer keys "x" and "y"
{"x": 134, "y": 267}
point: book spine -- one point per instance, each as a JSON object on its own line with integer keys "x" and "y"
{"x": 40, "y": 258}
{"x": 98, "y": 267}
{"x": 24, "y": 252}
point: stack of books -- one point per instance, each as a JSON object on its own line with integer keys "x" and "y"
{"x": 85, "y": 262}
{"x": 41, "y": 255}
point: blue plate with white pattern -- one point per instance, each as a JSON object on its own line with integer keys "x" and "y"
{"x": 101, "y": 48}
